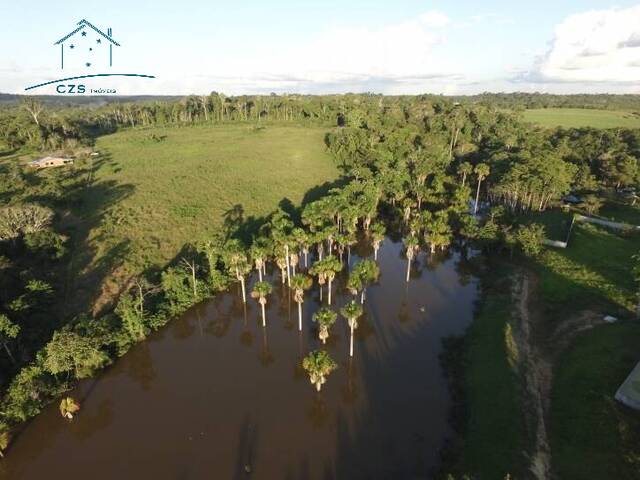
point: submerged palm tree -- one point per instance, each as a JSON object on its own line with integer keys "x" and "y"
{"x": 260, "y": 291}
{"x": 411, "y": 244}
{"x": 325, "y": 318}
{"x": 326, "y": 270}
{"x": 237, "y": 263}
{"x": 377, "y": 236}
{"x": 364, "y": 272}
{"x": 318, "y": 365}
{"x": 351, "y": 312}
{"x": 300, "y": 283}
{"x": 68, "y": 407}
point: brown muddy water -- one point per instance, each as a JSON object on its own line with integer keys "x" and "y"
{"x": 216, "y": 396}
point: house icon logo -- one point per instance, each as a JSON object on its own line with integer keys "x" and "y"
{"x": 86, "y": 47}
{"x": 87, "y": 53}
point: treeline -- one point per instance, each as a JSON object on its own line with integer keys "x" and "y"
{"x": 522, "y": 100}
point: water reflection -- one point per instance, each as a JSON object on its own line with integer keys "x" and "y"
{"x": 217, "y": 395}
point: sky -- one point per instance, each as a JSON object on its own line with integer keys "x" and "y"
{"x": 327, "y": 46}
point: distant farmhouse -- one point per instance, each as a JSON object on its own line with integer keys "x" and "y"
{"x": 48, "y": 162}
{"x": 86, "y": 47}
{"x": 629, "y": 392}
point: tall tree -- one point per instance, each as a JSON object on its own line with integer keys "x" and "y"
{"x": 8, "y": 331}
{"x": 300, "y": 283}
{"x": 325, "y": 318}
{"x": 260, "y": 291}
{"x": 351, "y": 312}
{"x": 318, "y": 365}
{"x": 482, "y": 171}
{"x": 411, "y": 245}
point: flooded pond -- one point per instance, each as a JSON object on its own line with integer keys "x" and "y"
{"x": 215, "y": 395}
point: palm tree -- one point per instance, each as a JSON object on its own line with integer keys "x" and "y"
{"x": 369, "y": 273}
{"x": 377, "y": 236}
{"x": 411, "y": 245}
{"x": 482, "y": 171}
{"x": 351, "y": 312}
{"x": 332, "y": 267}
{"x": 260, "y": 291}
{"x": 318, "y": 365}
{"x": 302, "y": 240}
{"x": 68, "y": 407}
{"x": 300, "y": 283}
{"x": 325, "y": 318}
{"x": 259, "y": 256}
{"x": 5, "y": 438}
{"x": 465, "y": 169}
{"x": 281, "y": 262}
{"x": 281, "y": 228}
{"x": 237, "y": 263}
{"x": 326, "y": 269}
{"x": 293, "y": 261}
{"x": 320, "y": 271}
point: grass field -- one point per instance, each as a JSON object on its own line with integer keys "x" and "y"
{"x": 592, "y": 435}
{"x": 495, "y": 436}
{"x": 154, "y": 190}
{"x": 593, "y": 272}
{"x": 578, "y": 117}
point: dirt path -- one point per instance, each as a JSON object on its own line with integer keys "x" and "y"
{"x": 536, "y": 364}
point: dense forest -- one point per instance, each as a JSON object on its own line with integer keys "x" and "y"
{"x": 421, "y": 166}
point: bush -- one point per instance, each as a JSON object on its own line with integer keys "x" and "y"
{"x": 530, "y": 238}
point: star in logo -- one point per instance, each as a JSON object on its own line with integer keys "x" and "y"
{"x": 72, "y": 46}
{"x": 88, "y": 64}
{"x": 91, "y": 49}
{"x": 84, "y": 34}
{"x": 98, "y": 41}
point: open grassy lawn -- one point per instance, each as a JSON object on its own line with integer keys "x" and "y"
{"x": 592, "y": 273}
{"x": 592, "y": 435}
{"x": 556, "y": 222}
{"x": 579, "y": 117}
{"x": 620, "y": 211}
{"x": 156, "y": 189}
{"x": 495, "y": 437}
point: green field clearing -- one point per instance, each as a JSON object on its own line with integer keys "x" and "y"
{"x": 156, "y": 189}
{"x": 591, "y": 434}
{"x": 495, "y": 428}
{"x": 180, "y": 187}
{"x": 579, "y": 117}
{"x": 592, "y": 272}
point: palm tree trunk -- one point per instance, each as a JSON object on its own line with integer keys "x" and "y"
{"x": 475, "y": 209}
{"x": 286, "y": 251}
{"x": 264, "y": 316}
{"x": 362, "y": 297}
{"x": 244, "y": 293}
{"x": 330, "y": 280}
{"x": 300, "y": 316}
{"x": 13, "y": 360}
{"x": 260, "y": 273}
{"x": 408, "y": 268}
{"x": 351, "y": 344}
{"x": 375, "y": 253}
{"x": 320, "y": 293}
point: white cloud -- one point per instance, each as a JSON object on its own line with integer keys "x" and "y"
{"x": 595, "y": 46}
{"x": 400, "y": 52}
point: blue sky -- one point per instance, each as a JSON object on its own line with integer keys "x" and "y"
{"x": 329, "y": 46}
